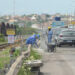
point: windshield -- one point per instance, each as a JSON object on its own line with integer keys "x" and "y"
{"x": 69, "y": 33}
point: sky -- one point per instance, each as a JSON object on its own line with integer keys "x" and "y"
{"x": 37, "y": 6}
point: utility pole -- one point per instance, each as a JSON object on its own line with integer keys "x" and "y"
{"x": 67, "y": 19}
{"x": 14, "y": 11}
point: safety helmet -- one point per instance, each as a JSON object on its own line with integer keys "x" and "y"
{"x": 49, "y": 27}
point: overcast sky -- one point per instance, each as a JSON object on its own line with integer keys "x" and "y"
{"x": 37, "y": 6}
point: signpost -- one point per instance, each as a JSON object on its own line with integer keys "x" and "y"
{"x": 58, "y": 24}
{"x": 11, "y": 37}
{"x": 10, "y": 32}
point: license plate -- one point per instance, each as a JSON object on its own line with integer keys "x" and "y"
{"x": 69, "y": 41}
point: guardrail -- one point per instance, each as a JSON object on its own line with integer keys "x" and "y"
{"x": 18, "y": 63}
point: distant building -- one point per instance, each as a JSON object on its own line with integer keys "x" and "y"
{"x": 43, "y": 16}
{"x": 11, "y": 21}
{"x": 35, "y": 26}
{"x": 33, "y": 17}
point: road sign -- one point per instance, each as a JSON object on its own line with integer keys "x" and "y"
{"x": 73, "y": 22}
{"x": 11, "y": 39}
{"x": 58, "y": 24}
{"x": 57, "y": 18}
{"x": 10, "y": 32}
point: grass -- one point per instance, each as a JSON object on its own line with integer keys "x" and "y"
{"x": 4, "y": 61}
{"x": 3, "y": 42}
{"x": 35, "y": 55}
{"x": 4, "y": 58}
{"x": 24, "y": 48}
{"x": 26, "y": 70}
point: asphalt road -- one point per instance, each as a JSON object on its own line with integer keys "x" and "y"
{"x": 62, "y": 62}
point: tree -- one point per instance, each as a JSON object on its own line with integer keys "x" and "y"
{"x": 7, "y": 26}
{"x": 2, "y": 39}
{"x": 3, "y": 28}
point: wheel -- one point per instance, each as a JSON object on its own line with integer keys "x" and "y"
{"x": 70, "y": 44}
{"x": 74, "y": 45}
{"x": 56, "y": 41}
{"x": 59, "y": 45}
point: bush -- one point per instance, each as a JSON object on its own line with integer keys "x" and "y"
{"x": 24, "y": 31}
{"x": 24, "y": 70}
{"x": 2, "y": 39}
{"x": 35, "y": 55}
{"x": 17, "y": 53}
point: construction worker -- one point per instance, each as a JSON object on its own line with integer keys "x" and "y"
{"x": 50, "y": 33}
{"x": 32, "y": 40}
{"x": 12, "y": 50}
{"x": 38, "y": 36}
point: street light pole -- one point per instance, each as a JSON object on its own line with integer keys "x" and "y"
{"x": 67, "y": 19}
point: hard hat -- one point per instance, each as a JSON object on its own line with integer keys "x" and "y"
{"x": 49, "y": 27}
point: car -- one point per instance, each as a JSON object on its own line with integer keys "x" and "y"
{"x": 64, "y": 37}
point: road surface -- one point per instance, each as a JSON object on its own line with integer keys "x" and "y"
{"x": 60, "y": 63}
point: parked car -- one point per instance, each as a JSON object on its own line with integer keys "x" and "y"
{"x": 64, "y": 37}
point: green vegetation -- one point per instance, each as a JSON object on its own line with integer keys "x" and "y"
{"x": 26, "y": 70}
{"x": 25, "y": 31}
{"x": 4, "y": 58}
{"x": 29, "y": 24}
{"x": 2, "y": 39}
{"x": 34, "y": 55}
{"x": 3, "y": 42}
{"x": 24, "y": 48}
{"x": 16, "y": 53}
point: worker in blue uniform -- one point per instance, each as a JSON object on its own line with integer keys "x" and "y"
{"x": 32, "y": 40}
{"x": 50, "y": 33}
{"x": 38, "y": 36}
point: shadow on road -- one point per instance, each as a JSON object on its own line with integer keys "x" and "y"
{"x": 44, "y": 73}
